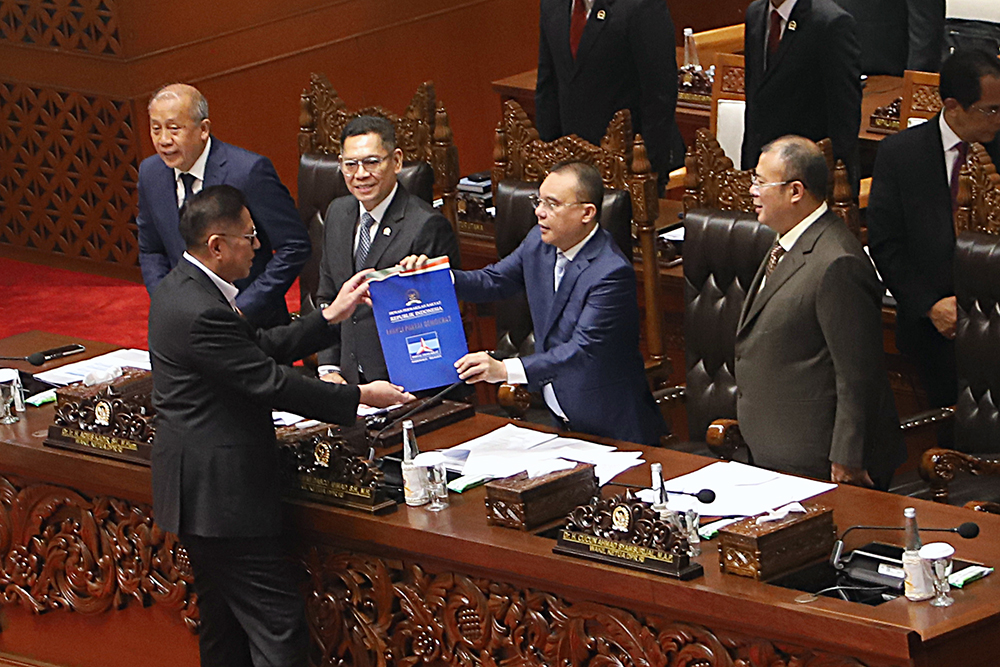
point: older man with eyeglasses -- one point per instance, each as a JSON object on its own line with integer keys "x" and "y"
{"x": 374, "y": 227}
{"x": 813, "y": 395}
{"x": 188, "y": 159}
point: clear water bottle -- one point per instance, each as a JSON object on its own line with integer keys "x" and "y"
{"x": 415, "y": 484}
{"x": 691, "y": 63}
{"x": 918, "y": 584}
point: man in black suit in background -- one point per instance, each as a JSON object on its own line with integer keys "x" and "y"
{"x": 215, "y": 459}
{"x": 898, "y": 35}
{"x": 911, "y": 232}
{"x": 596, "y": 57}
{"x": 803, "y": 77}
{"x": 374, "y": 228}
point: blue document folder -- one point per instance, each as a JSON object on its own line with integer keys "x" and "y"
{"x": 419, "y": 325}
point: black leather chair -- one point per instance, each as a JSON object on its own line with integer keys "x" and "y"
{"x": 515, "y": 216}
{"x": 722, "y": 251}
{"x": 320, "y": 182}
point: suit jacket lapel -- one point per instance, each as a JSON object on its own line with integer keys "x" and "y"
{"x": 787, "y": 267}
{"x": 590, "y": 31}
{"x": 796, "y": 22}
{"x": 215, "y": 166}
{"x": 559, "y": 34}
{"x": 391, "y": 222}
{"x": 168, "y": 207}
{"x": 573, "y": 272}
{"x": 196, "y": 274}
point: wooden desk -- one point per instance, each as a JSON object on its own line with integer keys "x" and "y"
{"x": 415, "y": 587}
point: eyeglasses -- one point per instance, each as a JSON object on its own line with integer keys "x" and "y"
{"x": 251, "y": 237}
{"x": 549, "y": 205}
{"x": 350, "y": 167}
{"x": 989, "y": 112}
{"x": 759, "y": 184}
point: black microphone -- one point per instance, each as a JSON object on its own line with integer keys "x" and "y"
{"x": 967, "y": 530}
{"x": 426, "y": 404}
{"x": 39, "y": 358}
{"x": 705, "y": 496}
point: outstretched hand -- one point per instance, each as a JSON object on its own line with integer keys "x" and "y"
{"x": 353, "y": 292}
{"x": 382, "y": 394}
{"x": 480, "y": 367}
{"x": 412, "y": 262}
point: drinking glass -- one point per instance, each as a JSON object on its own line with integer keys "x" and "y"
{"x": 938, "y": 556}
{"x": 438, "y": 487}
{"x": 7, "y": 389}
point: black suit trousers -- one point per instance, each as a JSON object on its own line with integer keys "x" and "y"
{"x": 252, "y": 613}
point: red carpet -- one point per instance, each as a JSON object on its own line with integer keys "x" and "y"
{"x": 78, "y": 304}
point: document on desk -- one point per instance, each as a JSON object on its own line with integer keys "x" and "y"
{"x": 739, "y": 489}
{"x": 511, "y": 449}
{"x": 75, "y": 372}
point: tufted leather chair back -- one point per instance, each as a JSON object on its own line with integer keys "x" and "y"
{"x": 320, "y": 182}
{"x": 515, "y": 216}
{"x": 722, "y": 251}
{"x": 977, "y": 342}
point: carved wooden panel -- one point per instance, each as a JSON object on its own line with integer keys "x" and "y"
{"x": 734, "y": 81}
{"x": 978, "y": 194}
{"x": 62, "y": 550}
{"x": 520, "y": 154}
{"x": 368, "y": 612}
{"x": 68, "y": 173}
{"x": 79, "y": 25}
{"x": 926, "y": 99}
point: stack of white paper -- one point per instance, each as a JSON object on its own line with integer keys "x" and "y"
{"x": 510, "y": 450}
{"x": 75, "y": 372}
{"x": 739, "y": 489}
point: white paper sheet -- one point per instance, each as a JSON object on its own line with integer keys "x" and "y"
{"x": 75, "y": 372}
{"x": 739, "y": 489}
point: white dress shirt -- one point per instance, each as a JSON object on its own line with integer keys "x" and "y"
{"x": 785, "y": 12}
{"x": 515, "y": 368}
{"x": 197, "y": 170}
{"x": 228, "y": 289}
{"x": 949, "y": 144}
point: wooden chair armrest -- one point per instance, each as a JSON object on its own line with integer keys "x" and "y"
{"x": 863, "y": 191}
{"x": 725, "y": 440}
{"x": 669, "y": 395}
{"x": 514, "y": 399}
{"x": 677, "y": 179}
{"x": 938, "y": 468}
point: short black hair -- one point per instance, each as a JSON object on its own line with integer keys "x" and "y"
{"x": 215, "y": 207}
{"x": 803, "y": 161}
{"x": 961, "y": 74}
{"x": 362, "y": 125}
{"x": 589, "y": 184}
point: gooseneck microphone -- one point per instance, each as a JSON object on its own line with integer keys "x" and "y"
{"x": 967, "y": 530}
{"x": 39, "y": 358}
{"x": 705, "y": 496}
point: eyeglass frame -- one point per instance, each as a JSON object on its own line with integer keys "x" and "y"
{"x": 992, "y": 113}
{"x": 251, "y": 237}
{"x": 350, "y": 166}
{"x": 756, "y": 183}
{"x": 537, "y": 201}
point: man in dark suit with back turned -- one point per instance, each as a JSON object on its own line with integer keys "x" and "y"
{"x": 911, "y": 230}
{"x": 813, "y": 395}
{"x": 898, "y": 35}
{"x": 596, "y": 57}
{"x": 374, "y": 228}
{"x": 188, "y": 158}
{"x": 581, "y": 293}
{"x": 803, "y": 77}
{"x": 215, "y": 460}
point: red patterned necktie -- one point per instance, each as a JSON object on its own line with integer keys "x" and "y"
{"x": 963, "y": 152}
{"x": 773, "y": 35}
{"x": 576, "y": 25}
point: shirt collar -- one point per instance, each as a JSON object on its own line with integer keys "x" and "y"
{"x": 949, "y": 140}
{"x": 379, "y": 211}
{"x": 572, "y": 252}
{"x": 789, "y": 238}
{"x": 785, "y": 11}
{"x": 198, "y": 168}
{"x": 228, "y": 289}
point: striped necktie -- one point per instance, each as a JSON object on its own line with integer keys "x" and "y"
{"x": 364, "y": 241}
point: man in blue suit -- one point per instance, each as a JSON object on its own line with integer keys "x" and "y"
{"x": 188, "y": 159}
{"x": 582, "y": 296}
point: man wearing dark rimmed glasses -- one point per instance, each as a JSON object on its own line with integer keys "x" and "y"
{"x": 813, "y": 395}
{"x": 188, "y": 159}
{"x": 910, "y": 217}
{"x": 375, "y": 227}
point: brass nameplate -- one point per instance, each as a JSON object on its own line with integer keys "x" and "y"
{"x": 98, "y": 444}
{"x": 613, "y": 552}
